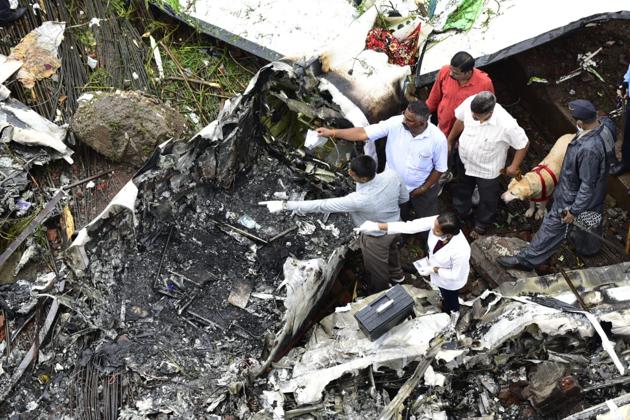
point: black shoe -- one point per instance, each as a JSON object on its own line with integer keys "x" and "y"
{"x": 513, "y": 262}
{"x": 10, "y": 16}
{"x": 618, "y": 169}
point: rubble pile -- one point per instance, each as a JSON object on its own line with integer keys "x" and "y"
{"x": 513, "y": 354}
{"x": 185, "y": 298}
{"x": 146, "y": 324}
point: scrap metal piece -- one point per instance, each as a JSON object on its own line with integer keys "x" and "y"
{"x": 239, "y": 296}
{"x": 394, "y": 408}
{"x": 239, "y": 231}
{"x": 283, "y": 233}
{"x": 205, "y": 320}
{"x": 598, "y": 409}
{"x": 38, "y": 220}
{"x": 34, "y": 350}
{"x": 183, "y": 277}
{"x": 573, "y": 289}
{"x": 606, "y": 343}
{"x": 168, "y": 240}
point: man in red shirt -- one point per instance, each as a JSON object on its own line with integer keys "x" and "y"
{"x": 454, "y": 83}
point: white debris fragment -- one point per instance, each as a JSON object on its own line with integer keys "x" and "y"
{"x": 432, "y": 378}
{"x": 280, "y": 195}
{"x": 4, "y": 92}
{"x": 305, "y": 228}
{"x": 90, "y": 185}
{"x": 91, "y": 62}
{"x": 251, "y": 255}
{"x": 86, "y": 97}
{"x": 44, "y": 281}
{"x": 135, "y": 76}
{"x": 266, "y": 296}
{"x": 31, "y": 129}
{"x": 274, "y": 402}
{"x": 31, "y": 406}
{"x": 145, "y": 404}
{"x": 331, "y": 228}
{"x": 314, "y": 140}
{"x": 26, "y": 256}
{"x": 194, "y": 118}
{"x": 346, "y": 308}
{"x": 157, "y": 57}
{"x": 248, "y": 222}
{"x": 94, "y": 22}
{"x": 214, "y": 402}
{"x": 58, "y": 367}
{"x": 8, "y": 66}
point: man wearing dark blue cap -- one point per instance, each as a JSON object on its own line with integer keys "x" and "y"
{"x": 581, "y": 188}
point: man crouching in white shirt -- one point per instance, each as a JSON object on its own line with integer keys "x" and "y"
{"x": 377, "y": 197}
{"x": 448, "y": 261}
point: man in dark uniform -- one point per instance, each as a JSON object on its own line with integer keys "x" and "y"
{"x": 581, "y": 188}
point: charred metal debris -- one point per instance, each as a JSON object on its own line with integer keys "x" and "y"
{"x": 145, "y": 325}
{"x": 185, "y": 299}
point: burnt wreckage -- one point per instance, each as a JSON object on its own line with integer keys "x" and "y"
{"x": 185, "y": 298}
{"x": 147, "y": 282}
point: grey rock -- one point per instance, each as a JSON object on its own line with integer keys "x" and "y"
{"x": 484, "y": 253}
{"x": 126, "y": 126}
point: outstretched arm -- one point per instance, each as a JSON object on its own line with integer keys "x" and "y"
{"x": 350, "y": 134}
{"x": 414, "y": 226}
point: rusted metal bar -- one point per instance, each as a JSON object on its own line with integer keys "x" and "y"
{"x": 85, "y": 180}
{"x": 7, "y": 334}
{"x": 283, "y": 233}
{"x": 168, "y": 240}
{"x": 38, "y": 220}
{"x": 205, "y": 320}
{"x": 183, "y": 277}
{"x": 240, "y": 231}
{"x": 573, "y": 289}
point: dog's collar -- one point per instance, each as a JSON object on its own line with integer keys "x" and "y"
{"x": 537, "y": 170}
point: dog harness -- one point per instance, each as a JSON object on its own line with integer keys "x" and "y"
{"x": 537, "y": 170}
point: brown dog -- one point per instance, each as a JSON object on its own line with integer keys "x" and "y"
{"x": 537, "y": 185}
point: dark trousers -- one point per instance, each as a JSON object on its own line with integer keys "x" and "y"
{"x": 381, "y": 259}
{"x": 489, "y": 192}
{"x": 625, "y": 147}
{"x": 552, "y": 233}
{"x": 450, "y": 300}
{"x": 424, "y": 205}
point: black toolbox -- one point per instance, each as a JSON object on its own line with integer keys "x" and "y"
{"x": 385, "y": 312}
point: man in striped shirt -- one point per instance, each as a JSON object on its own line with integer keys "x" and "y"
{"x": 486, "y": 132}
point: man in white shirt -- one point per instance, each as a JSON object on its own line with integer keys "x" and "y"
{"x": 377, "y": 197}
{"x": 486, "y": 132}
{"x": 416, "y": 150}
